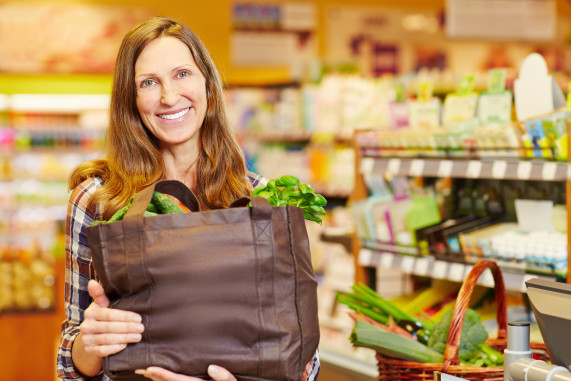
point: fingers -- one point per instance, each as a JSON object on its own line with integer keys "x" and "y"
{"x": 159, "y": 374}
{"x": 98, "y": 313}
{"x": 106, "y": 330}
{"x": 220, "y": 374}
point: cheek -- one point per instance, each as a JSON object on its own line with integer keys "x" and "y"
{"x": 143, "y": 105}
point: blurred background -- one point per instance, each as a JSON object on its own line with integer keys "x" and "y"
{"x": 301, "y": 76}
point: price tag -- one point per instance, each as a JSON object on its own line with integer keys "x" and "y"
{"x": 421, "y": 266}
{"x": 387, "y": 260}
{"x": 394, "y": 166}
{"x": 367, "y": 165}
{"x": 407, "y": 264}
{"x": 499, "y": 169}
{"x": 365, "y": 257}
{"x": 439, "y": 270}
{"x": 445, "y": 168}
{"x": 416, "y": 167}
{"x": 524, "y": 170}
{"x": 549, "y": 170}
{"x": 456, "y": 272}
{"x": 474, "y": 169}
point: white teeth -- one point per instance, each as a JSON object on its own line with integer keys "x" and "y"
{"x": 174, "y": 116}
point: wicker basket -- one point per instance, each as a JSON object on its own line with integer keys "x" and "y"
{"x": 393, "y": 369}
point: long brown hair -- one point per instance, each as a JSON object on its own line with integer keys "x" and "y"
{"x": 132, "y": 157}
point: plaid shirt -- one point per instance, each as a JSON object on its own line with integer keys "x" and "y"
{"x": 79, "y": 271}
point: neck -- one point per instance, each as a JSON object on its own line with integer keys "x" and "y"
{"x": 181, "y": 166}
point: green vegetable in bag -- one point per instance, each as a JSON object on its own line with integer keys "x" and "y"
{"x": 160, "y": 204}
{"x": 287, "y": 190}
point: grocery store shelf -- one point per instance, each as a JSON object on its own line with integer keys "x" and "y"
{"x": 515, "y": 274}
{"x": 484, "y": 168}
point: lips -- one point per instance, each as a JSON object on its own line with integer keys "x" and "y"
{"x": 172, "y": 116}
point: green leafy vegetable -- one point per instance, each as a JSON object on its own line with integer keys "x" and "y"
{"x": 287, "y": 190}
{"x": 160, "y": 204}
{"x": 472, "y": 350}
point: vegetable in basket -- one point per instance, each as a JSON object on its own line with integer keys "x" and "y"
{"x": 160, "y": 204}
{"x": 366, "y": 301}
{"x": 287, "y": 190}
{"x": 374, "y": 310}
{"x": 392, "y": 344}
{"x": 472, "y": 351}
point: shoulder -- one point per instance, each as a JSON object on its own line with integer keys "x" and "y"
{"x": 82, "y": 193}
{"x": 256, "y": 180}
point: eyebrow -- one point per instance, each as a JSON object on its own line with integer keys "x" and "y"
{"x": 173, "y": 70}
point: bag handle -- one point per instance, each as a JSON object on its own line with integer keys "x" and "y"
{"x": 261, "y": 208}
{"x": 133, "y": 227}
{"x": 175, "y": 188}
{"x": 462, "y": 302}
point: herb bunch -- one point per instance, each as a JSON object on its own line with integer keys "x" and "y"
{"x": 287, "y": 190}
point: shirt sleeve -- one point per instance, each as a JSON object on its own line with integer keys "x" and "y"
{"x": 312, "y": 368}
{"x": 78, "y": 272}
{"x": 256, "y": 180}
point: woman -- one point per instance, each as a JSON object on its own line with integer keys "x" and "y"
{"x": 167, "y": 121}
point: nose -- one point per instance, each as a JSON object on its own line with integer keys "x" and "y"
{"x": 169, "y": 95}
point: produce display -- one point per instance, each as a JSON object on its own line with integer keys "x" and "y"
{"x": 287, "y": 190}
{"x": 393, "y": 332}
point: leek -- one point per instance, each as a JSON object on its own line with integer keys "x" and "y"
{"x": 392, "y": 344}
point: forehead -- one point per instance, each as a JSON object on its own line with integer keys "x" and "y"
{"x": 162, "y": 52}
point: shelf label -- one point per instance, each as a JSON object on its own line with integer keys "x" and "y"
{"x": 445, "y": 168}
{"x": 416, "y": 167}
{"x": 421, "y": 266}
{"x": 456, "y": 272}
{"x": 365, "y": 257}
{"x": 549, "y": 170}
{"x": 524, "y": 170}
{"x": 387, "y": 260}
{"x": 499, "y": 169}
{"x": 407, "y": 264}
{"x": 393, "y": 166}
{"x": 439, "y": 270}
{"x": 474, "y": 169}
{"x": 367, "y": 165}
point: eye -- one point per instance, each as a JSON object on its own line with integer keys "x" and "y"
{"x": 183, "y": 74}
{"x": 147, "y": 83}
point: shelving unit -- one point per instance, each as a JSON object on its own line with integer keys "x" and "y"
{"x": 369, "y": 256}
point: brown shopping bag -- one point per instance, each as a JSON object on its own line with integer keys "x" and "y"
{"x": 234, "y": 287}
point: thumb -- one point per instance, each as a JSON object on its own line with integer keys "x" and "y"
{"x": 97, "y": 293}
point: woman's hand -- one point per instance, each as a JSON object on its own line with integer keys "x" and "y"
{"x": 105, "y": 330}
{"x": 159, "y": 374}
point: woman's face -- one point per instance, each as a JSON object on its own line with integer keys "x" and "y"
{"x": 171, "y": 91}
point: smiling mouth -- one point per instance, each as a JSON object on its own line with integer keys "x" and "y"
{"x": 174, "y": 116}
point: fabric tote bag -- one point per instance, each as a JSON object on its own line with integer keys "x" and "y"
{"x": 234, "y": 287}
